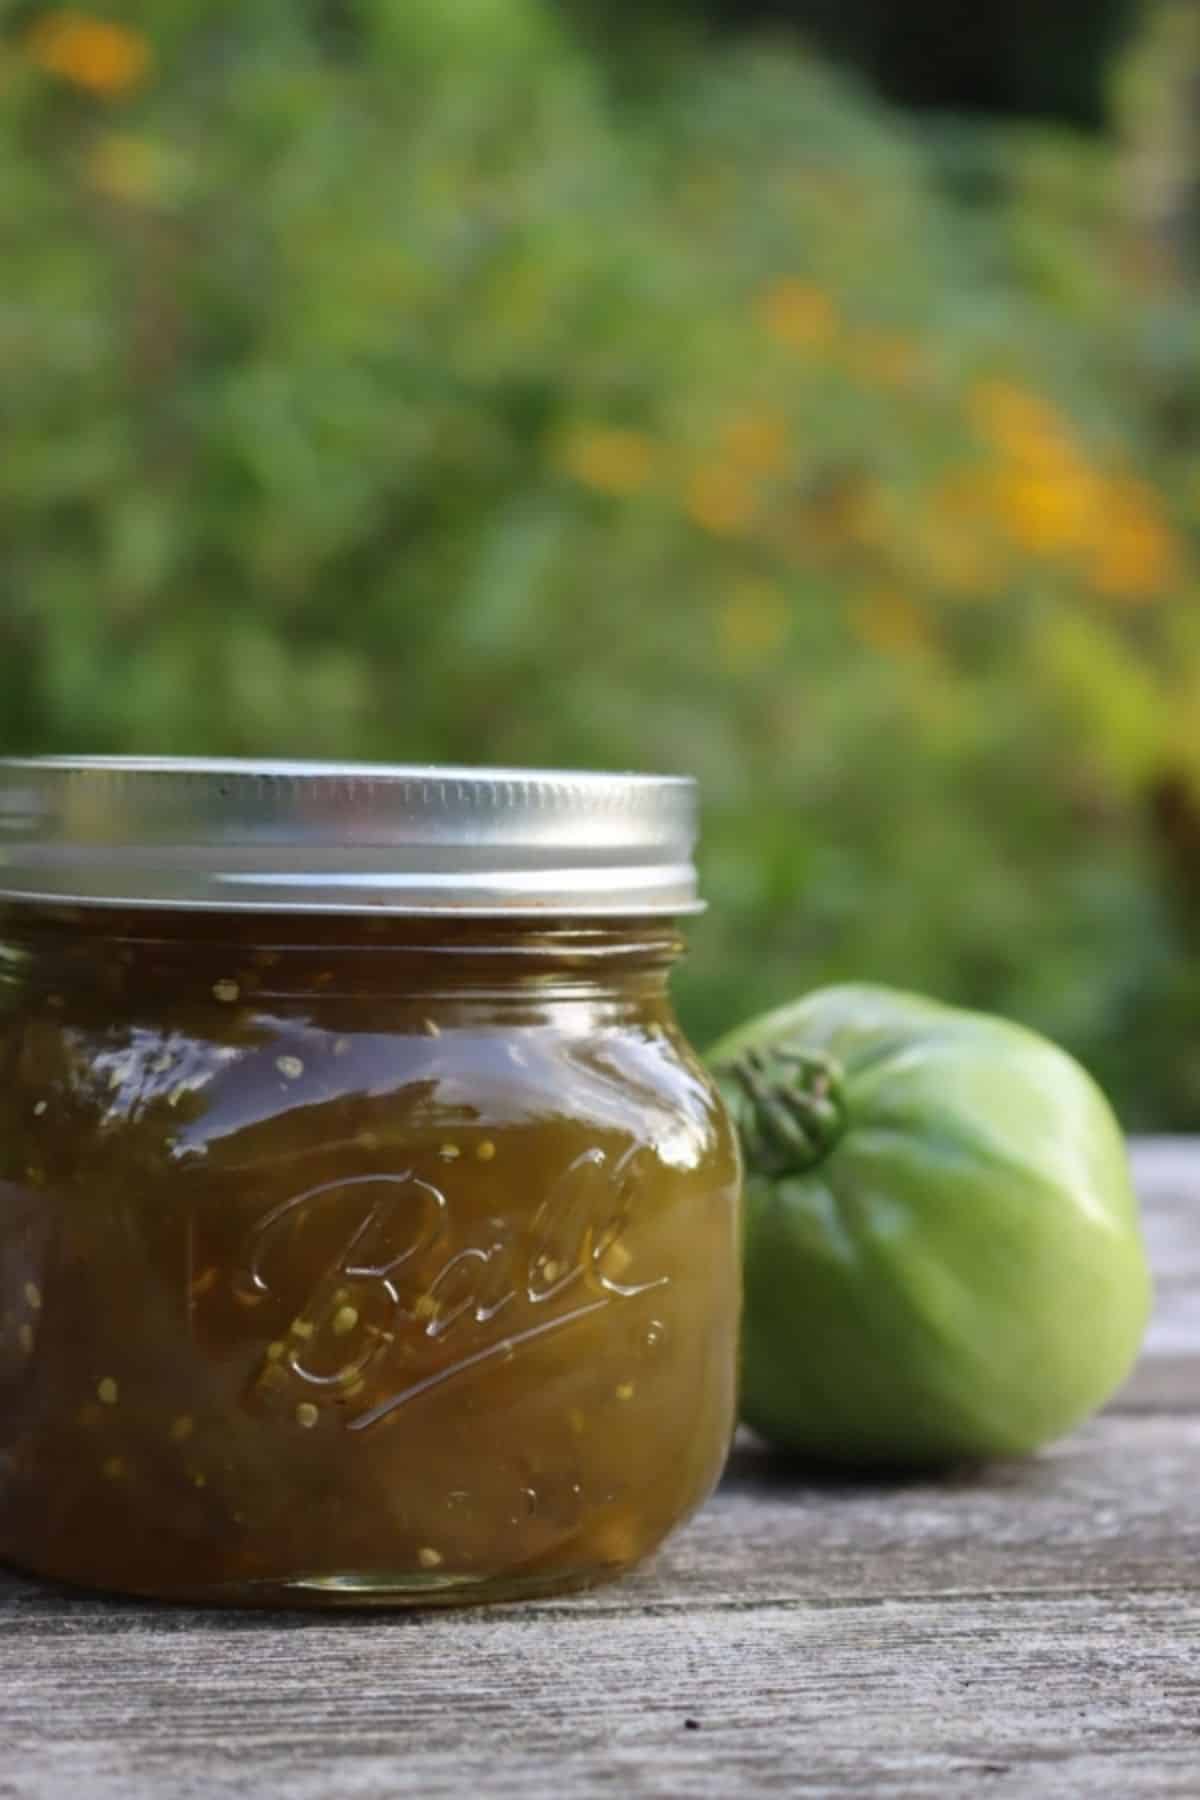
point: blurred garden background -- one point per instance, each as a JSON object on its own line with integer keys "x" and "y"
{"x": 802, "y": 395}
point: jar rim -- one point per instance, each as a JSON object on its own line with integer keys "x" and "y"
{"x": 237, "y": 835}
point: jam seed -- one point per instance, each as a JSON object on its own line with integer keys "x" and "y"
{"x": 307, "y": 1415}
{"x": 429, "y": 1558}
{"x": 33, "y": 1297}
{"x": 449, "y": 1152}
{"x": 486, "y": 1150}
{"x": 107, "y": 1391}
{"x": 226, "y": 991}
{"x": 344, "y": 1320}
{"x": 290, "y": 1066}
{"x": 275, "y": 1351}
{"x": 40, "y": 1108}
{"x": 625, "y": 1391}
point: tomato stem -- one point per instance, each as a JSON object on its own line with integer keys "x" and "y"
{"x": 789, "y": 1108}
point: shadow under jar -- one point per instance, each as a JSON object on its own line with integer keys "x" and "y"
{"x": 368, "y": 1231}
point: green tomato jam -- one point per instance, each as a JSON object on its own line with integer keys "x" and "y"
{"x": 351, "y": 1259}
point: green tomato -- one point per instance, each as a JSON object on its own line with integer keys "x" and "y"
{"x": 943, "y": 1255}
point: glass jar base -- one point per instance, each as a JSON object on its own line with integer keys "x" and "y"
{"x": 351, "y": 1590}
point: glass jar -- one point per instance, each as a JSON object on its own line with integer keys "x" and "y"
{"x": 368, "y": 1231}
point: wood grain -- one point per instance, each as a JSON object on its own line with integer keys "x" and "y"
{"x": 1029, "y": 1629}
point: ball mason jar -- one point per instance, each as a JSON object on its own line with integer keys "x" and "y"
{"x": 368, "y": 1230}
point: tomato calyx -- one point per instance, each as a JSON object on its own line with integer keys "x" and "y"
{"x": 790, "y": 1108}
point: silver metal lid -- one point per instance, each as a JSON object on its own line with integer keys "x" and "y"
{"x": 344, "y": 837}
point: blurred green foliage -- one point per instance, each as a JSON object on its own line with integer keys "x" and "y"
{"x": 375, "y": 382}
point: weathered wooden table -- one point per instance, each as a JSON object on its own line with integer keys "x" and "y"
{"x": 1033, "y": 1629}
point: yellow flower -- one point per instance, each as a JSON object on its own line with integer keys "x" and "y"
{"x": 107, "y": 59}
{"x": 719, "y": 498}
{"x": 752, "y": 623}
{"x": 798, "y": 314}
{"x": 1135, "y": 556}
{"x": 888, "y": 621}
{"x": 1043, "y": 513}
{"x": 756, "y": 442}
{"x": 609, "y": 460}
{"x": 1020, "y": 425}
